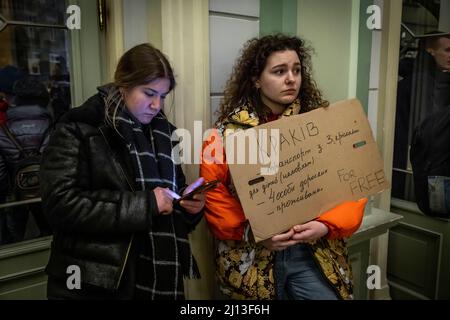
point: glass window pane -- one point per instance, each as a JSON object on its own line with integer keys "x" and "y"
{"x": 423, "y": 16}
{"x": 34, "y": 93}
{"x": 41, "y": 11}
{"x": 423, "y": 83}
{"x": 43, "y": 54}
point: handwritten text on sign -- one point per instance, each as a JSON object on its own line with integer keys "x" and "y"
{"x": 326, "y": 156}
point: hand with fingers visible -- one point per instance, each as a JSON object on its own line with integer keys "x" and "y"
{"x": 196, "y": 205}
{"x": 280, "y": 241}
{"x": 309, "y": 231}
{"x": 164, "y": 199}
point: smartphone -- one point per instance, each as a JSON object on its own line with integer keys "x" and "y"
{"x": 207, "y": 186}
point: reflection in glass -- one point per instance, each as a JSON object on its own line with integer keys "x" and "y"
{"x": 2, "y": 23}
{"x": 424, "y": 81}
{"x": 42, "y": 11}
{"x": 34, "y": 93}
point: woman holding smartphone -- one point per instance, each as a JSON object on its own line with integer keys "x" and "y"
{"x": 108, "y": 188}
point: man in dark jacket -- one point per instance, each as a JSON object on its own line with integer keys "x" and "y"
{"x": 28, "y": 120}
{"x": 422, "y": 91}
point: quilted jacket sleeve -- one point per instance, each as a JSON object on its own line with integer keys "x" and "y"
{"x": 343, "y": 220}
{"x": 223, "y": 211}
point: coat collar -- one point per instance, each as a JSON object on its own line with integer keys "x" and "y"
{"x": 243, "y": 117}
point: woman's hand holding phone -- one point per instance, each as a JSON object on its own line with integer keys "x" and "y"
{"x": 164, "y": 200}
{"x": 195, "y": 204}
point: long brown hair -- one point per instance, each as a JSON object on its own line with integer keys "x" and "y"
{"x": 138, "y": 66}
{"x": 240, "y": 87}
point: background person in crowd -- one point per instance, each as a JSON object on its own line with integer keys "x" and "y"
{"x": 270, "y": 80}
{"x": 439, "y": 48}
{"x": 3, "y": 107}
{"x": 8, "y": 76}
{"x": 60, "y": 89}
{"x": 424, "y": 90}
{"x": 108, "y": 188}
{"x": 28, "y": 121}
{"x": 430, "y": 151}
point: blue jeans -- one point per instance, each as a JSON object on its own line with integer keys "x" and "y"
{"x": 297, "y": 276}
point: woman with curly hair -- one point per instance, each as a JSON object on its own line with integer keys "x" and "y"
{"x": 270, "y": 80}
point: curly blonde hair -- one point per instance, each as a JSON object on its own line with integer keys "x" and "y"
{"x": 240, "y": 87}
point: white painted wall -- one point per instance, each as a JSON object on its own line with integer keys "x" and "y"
{"x": 238, "y": 7}
{"x": 328, "y": 25}
{"x": 135, "y": 23}
{"x": 232, "y": 23}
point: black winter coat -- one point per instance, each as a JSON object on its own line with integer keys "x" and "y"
{"x": 87, "y": 197}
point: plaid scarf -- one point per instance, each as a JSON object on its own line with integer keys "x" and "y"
{"x": 164, "y": 255}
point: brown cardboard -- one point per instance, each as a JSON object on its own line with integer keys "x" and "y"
{"x": 329, "y": 156}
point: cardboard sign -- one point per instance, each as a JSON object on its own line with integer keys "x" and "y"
{"x": 326, "y": 156}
